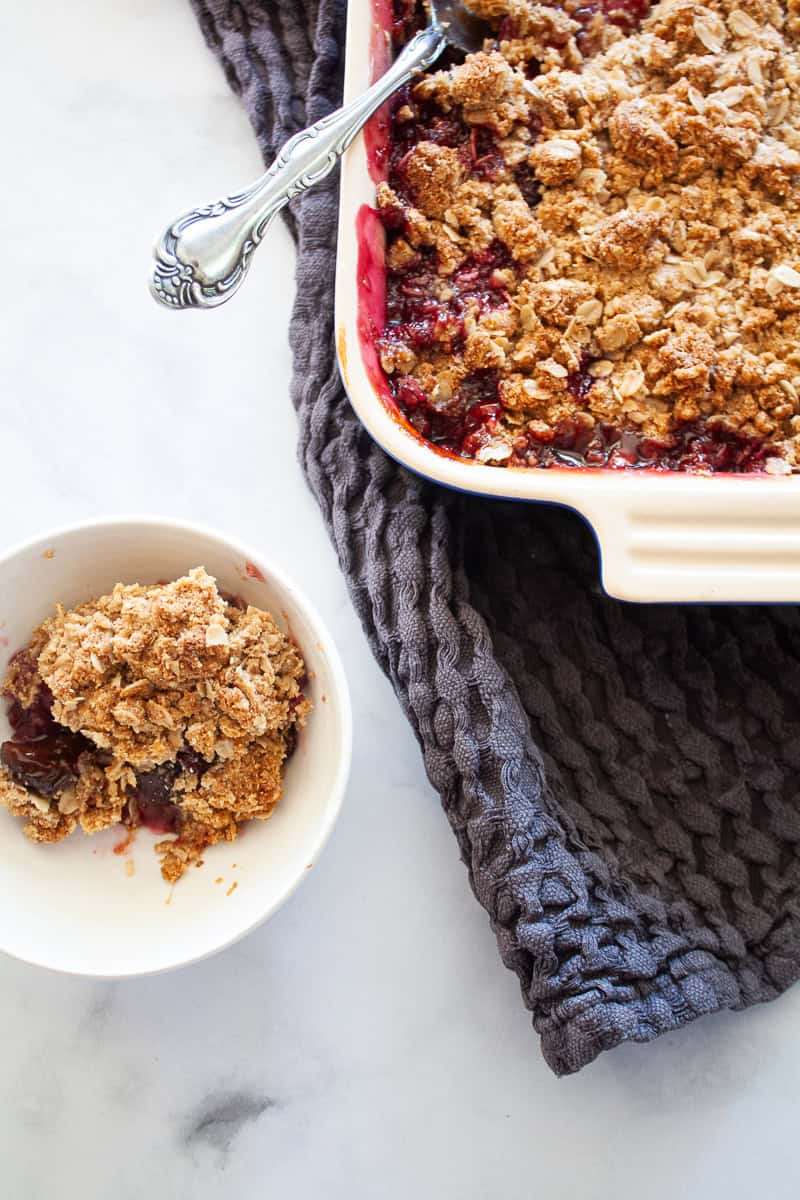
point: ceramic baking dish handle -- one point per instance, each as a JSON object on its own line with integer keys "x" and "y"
{"x": 664, "y": 543}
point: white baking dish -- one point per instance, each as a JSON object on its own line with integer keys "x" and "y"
{"x": 661, "y": 536}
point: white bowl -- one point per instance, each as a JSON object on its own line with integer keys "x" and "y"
{"x": 78, "y": 906}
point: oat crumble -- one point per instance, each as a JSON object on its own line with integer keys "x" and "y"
{"x": 171, "y": 705}
{"x": 593, "y": 238}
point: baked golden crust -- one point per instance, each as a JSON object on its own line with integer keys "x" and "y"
{"x": 645, "y": 188}
{"x": 173, "y": 689}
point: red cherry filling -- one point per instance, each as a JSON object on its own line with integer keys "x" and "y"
{"x": 486, "y": 161}
{"x": 528, "y": 184}
{"x": 408, "y": 18}
{"x": 416, "y": 318}
{"x": 36, "y": 721}
{"x": 151, "y": 802}
{"x": 702, "y": 447}
{"x": 627, "y": 14}
{"x": 462, "y": 427}
{"x": 696, "y": 448}
{"x": 579, "y": 383}
{"x": 45, "y": 765}
{"x": 42, "y": 755}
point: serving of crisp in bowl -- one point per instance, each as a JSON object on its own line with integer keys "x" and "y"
{"x": 165, "y": 691}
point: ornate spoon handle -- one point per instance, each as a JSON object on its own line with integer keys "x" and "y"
{"x": 203, "y": 256}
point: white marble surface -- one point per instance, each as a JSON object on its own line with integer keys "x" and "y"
{"x": 365, "y": 1042}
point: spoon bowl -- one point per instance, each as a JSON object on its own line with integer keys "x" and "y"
{"x": 460, "y": 26}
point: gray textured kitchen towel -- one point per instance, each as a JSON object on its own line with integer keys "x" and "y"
{"x": 622, "y": 780}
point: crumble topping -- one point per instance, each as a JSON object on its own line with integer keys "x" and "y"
{"x": 167, "y": 705}
{"x": 593, "y": 230}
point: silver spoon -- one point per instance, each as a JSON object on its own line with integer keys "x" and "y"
{"x": 204, "y": 255}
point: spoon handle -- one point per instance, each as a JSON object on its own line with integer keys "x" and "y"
{"x": 201, "y": 259}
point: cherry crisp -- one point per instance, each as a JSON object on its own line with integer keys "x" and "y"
{"x": 172, "y": 706}
{"x": 593, "y": 246}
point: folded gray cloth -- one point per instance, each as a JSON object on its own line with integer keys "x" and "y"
{"x": 622, "y": 780}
